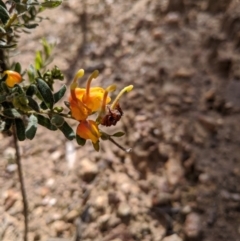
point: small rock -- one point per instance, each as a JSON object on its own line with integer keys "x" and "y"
{"x": 174, "y": 100}
{"x": 11, "y": 168}
{"x": 172, "y": 19}
{"x": 10, "y": 197}
{"x": 192, "y": 226}
{"x": 9, "y": 154}
{"x": 114, "y": 221}
{"x": 124, "y": 210}
{"x": 72, "y": 215}
{"x": 204, "y": 178}
{"x": 173, "y": 237}
{"x": 209, "y": 123}
{"x": 235, "y": 197}
{"x": 157, "y": 34}
{"x": 49, "y": 201}
{"x": 100, "y": 202}
{"x": 60, "y": 226}
{"x": 103, "y": 221}
{"x": 144, "y": 185}
{"x": 50, "y": 182}
{"x": 161, "y": 199}
{"x": 174, "y": 171}
{"x": 113, "y": 198}
{"x": 88, "y": 170}
{"x": 210, "y": 95}
{"x": 186, "y": 209}
{"x": 183, "y": 73}
{"x": 44, "y": 191}
{"x": 56, "y": 155}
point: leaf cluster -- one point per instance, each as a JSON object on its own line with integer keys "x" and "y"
{"x": 18, "y": 16}
{"x": 32, "y": 105}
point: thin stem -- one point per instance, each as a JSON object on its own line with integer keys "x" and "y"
{"x": 119, "y": 146}
{"x": 20, "y": 175}
{"x": 10, "y": 21}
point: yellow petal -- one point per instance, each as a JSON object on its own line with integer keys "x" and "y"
{"x": 94, "y": 100}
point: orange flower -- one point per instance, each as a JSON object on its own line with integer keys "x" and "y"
{"x": 13, "y": 78}
{"x": 79, "y": 111}
{"x": 88, "y": 130}
{"x": 83, "y": 102}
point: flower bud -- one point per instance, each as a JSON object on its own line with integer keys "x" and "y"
{"x": 13, "y": 78}
{"x": 88, "y": 129}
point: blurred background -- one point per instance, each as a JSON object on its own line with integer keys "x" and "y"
{"x": 181, "y": 182}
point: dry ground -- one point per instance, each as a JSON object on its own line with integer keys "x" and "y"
{"x": 181, "y": 181}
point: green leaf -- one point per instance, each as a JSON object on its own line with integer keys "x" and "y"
{"x": 51, "y": 4}
{"x": 118, "y": 134}
{"x": 4, "y": 15}
{"x": 33, "y": 104}
{"x": 80, "y": 140}
{"x": 30, "y": 25}
{"x": 57, "y": 120}
{"x": 4, "y": 86}
{"x": 20, "y": 128}
{"x": 67, "y": 131}
{"x": 104, "y": 136}
{"x": 59, "y": 94}
{"x": 6, "y": 46}
{"x": 2, "y": 98}
{"x": 3, "y": 4}
{"x": 43, "y": 121}
{"x": 32, "y": 89}
{"x": 12, "y": 113}
{"x": 2, "y": 125}
{"x": 96, "y": 146}
{"x": 47, "y": 48}
{"x": 43, "y": 106}
{"x": 31, "y": 73}
{"x": 5, "y": 125}
{"x": 45, "y": 92}
{"x": 67, "y": 104}
{"x": 38, "y": 60}
{"x": 18, "y": 67}
{"x": 2, "y": 30}
{"x": 31, "y": 127}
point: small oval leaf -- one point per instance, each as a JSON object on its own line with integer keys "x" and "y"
{"x": 31, "y": 90}
{"x": 96, "y": 146}
{"x": 31, "y": 127}
{"x": 12, "y": 113}
{"x": 45, "y": 92}
{"x": 30, "y": 25}
{"x": 18, "y": 67}
{"x": 6, "y": 46}
{"x": 6, "y": 125}
{"x": 20, "y": 129}
{"x": 2, "y": 98}
{"x": 58, "y": 95}
{"x": 44, "y": 121}
{"x": 4, "y": 15}
{"x": 51, "y": 4}
{"x": 57, "y": 120}
{"x": 33, "y": 104}
{"x": 80, "y": 140}
{"x": 67, "y": 131}
{"x": 118, "y": 134}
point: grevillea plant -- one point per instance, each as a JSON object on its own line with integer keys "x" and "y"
{"x": 28, "y": 98}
